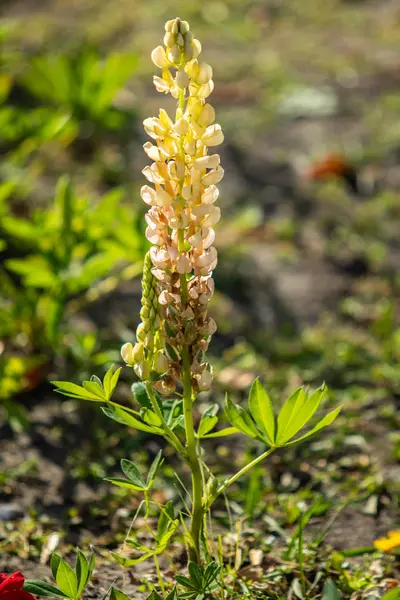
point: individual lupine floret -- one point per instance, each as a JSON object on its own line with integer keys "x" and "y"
{"x": 147, "y": 355}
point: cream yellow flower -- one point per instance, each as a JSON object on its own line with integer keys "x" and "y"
{"x": 181, "y": 193}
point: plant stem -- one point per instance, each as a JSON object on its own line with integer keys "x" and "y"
{"x": 155, "y": 558}
{"x": 242, "y": 471}
{"x": 173, "y": 438}
{"x": 194, "y": 461}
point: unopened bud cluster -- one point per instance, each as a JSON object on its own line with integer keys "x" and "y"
{"x": 147, "y": 356}
{"x": 182, "y": 213}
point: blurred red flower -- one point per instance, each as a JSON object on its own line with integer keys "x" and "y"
{"x": 11, "y": 587}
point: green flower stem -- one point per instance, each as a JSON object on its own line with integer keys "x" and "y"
{"x": 197, "y": 515}
{"x": 175, "y": 441}
{"x": 155, "y": 558}
{"x": 242, "y": 471}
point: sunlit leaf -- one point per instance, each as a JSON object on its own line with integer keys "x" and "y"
{"x": 66, "y": 579}
{"x": 261, "y": 409}
{"x": 122, "y": 416}
{"x": 303, "y": 410}
{"x": 75, "y": 391}
{"x": 222, "y": 432}
{"x": 238, "y": 417}
{"x": 327, "y": 420}
{"x": 206, "y": 425}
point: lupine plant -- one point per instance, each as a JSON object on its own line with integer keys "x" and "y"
{"x": 169, "y": 354}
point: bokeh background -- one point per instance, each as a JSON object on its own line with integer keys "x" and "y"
{"x": 307, "y": 94}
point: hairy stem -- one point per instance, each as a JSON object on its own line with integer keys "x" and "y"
{"x": 169, "y": 434}
{"x": 194, "y": 461}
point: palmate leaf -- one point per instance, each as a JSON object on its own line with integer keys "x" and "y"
{"x": 327, "y": 420}
{"x": 240, "y": 419}
{"x": 261, "y": 409}
{"x": 132, "y": 472}
{"x": 296, "y": 412}
{"x": 75, "y": 391}
{"x": 93, "y": 390}
{"x": 303, "y": 407}
{"x": 123, "y": 416}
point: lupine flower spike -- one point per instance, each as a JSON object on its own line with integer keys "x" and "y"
{"x": 182, "y": 214}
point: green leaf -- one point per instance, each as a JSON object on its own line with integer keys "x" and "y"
{"x": 392, "y": 595}
{"x": 54, "y": 563}
{"x": 132, "y": 472}
{"x": 302, "y": 413}
{"x": 262, "y": 412}
{"x": 223, "y": 432}
{"x": 140, "y": 393}
{"x": 163, "y": 540}
{"x": 327, "y": 420}
{"x": 113, "y": 382}
{"x": 107, "y": 382}
{"x": 22, "y": 229}
{"x": 66, "y": 579}
{"x": 75, "y": 391}
{"x": 118, "y": 595}
{"x": 196, "y": 575}
{"x": 94, "y": 388}
{"x": 154, "y": 596}
{"x": 295, "y": 399}
{"x": 35, "y": 270}
{"x": 157, "y": 462}
{"x": 124, "y": 483}
{"x": 82, "y": 571}
{"x": 184, "y": 581}
{"x": 122, "y": 416}
{"x": 238, "y": 417}
{"x": 166, "y": 517}
{"x": 206, "y": 425}
{"x": 41, "y": 588}
{"x": 92, "y": 564}
{"x": 330, "y": 591}
{"x": 150, "y": 417}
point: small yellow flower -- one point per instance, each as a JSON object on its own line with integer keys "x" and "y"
{"x": 389, "y": 543}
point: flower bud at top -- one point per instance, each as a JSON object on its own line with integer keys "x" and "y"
{"x": 184, "y": 27}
